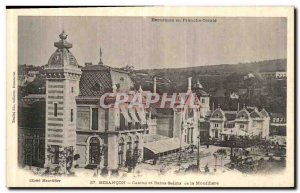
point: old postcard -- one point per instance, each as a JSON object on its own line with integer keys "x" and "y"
{"x": 150, "y": 97}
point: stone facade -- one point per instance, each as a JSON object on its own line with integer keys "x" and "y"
{"x": 62, "y": 86}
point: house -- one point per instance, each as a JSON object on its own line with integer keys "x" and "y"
{"x": 278, "y": 128}
{"x": 274, "y": 75}
{"x": 245, "y": 122}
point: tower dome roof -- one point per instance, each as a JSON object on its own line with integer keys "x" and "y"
{"x": 198, "y": 89}
{"x": 62, "y": 56}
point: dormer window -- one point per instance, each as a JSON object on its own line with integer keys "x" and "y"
{"x": 96, "y": 87}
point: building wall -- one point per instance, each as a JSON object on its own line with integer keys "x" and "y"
{"x": 177, "y": 124}
{"x": 165, "y": 126}
{"x": 70, "y": 111}
{"x": 55, "y": 124}
{"x": 61, "y": 123}
{"x": 266, "y": 128}
{"x": 204, "y": 106}
{"x": 219, "y": 125}
{"x": 84, "y": 118}
{"x": 123, "y": 79}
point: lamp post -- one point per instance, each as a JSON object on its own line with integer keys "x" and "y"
{"x": 198, "y": 148}
{"x": 181, "y": 130}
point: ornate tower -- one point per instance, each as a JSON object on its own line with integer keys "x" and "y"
{"x": 62, "y": 86}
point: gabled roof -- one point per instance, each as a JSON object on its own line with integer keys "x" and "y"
{"x": 218, "y": 113}
{"x": 242, "y": 112}
{"x": 264, "y": 113}
{"x": 255, "y": 114}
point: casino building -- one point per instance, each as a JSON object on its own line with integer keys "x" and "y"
{"x": 75, "y": 122}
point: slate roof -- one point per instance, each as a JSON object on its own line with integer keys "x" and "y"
{"x": 277, "y": 115}
{"x": 230, "y": 115}
{"x": 201, "y": 93}
{"x": 255, "y": 114}
{"x": 95, "y": 81}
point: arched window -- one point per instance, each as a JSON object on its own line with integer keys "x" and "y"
{"x": 129, "y": 142}
{"x": 136, "y": 141}
{"x": 121, "y": 151}
{"x": 94, "y": 150}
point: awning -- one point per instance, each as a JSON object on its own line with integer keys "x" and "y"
{"x": 133, "y": 115}
{"x": 125, "y": 114}
{"x": 164, "y": 145}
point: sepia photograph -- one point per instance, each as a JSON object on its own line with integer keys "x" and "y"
{"x": 154, "y": 100}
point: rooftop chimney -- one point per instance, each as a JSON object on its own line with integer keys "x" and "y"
{"x": 154, "y": 84}
{"x": 189, "y": 83}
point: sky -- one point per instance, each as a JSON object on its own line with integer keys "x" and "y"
{"x": 143, "y": 43}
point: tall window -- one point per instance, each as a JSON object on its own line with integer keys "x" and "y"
{"x": 94, "y": 151}
{"x": 192, "y": 134}
{"x": 121, "y": 151}
{"x": 71, "y": 115}
{"x": 94, "y": 118}
{"x": 203, "y": 100}
{"x": 122, "y": 122}
{"x": 106, "y": 119}
{"x": 72, "y": 89}
{"x": 55, "y": 109}
{"x": 188, "y": 135}
{"x": 241, "y": 126}
{"x": 216, "y": 134}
